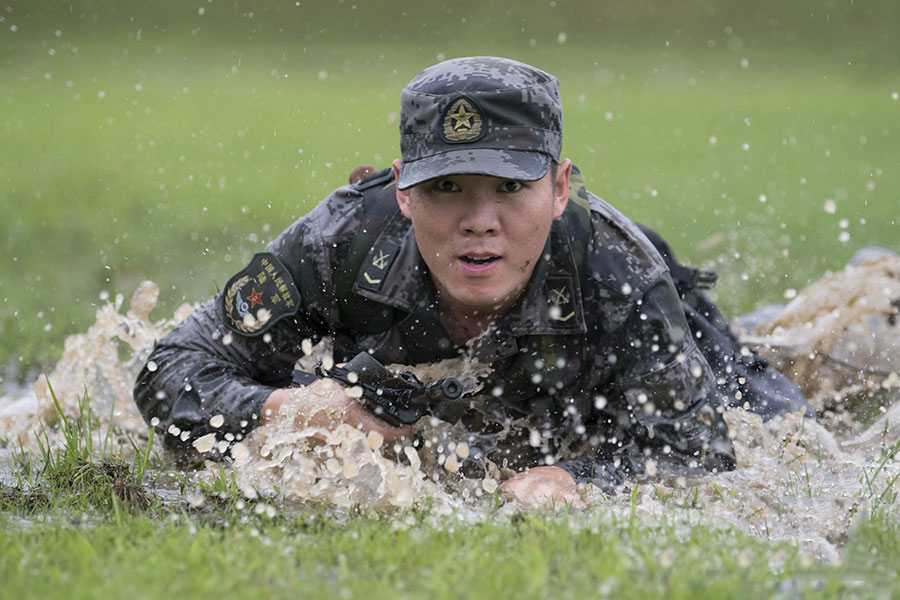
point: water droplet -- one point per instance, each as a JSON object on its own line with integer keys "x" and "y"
{"x": 374, "y": 440}
{"x": 451, "y": 464}
{"x": 414, "y": 461}
{"x": 205, "y": 444}
{"x": 462, "y": 450}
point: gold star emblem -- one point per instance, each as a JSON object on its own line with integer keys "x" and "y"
{"x": 462, "y": 121}
{"x": 462, "y": 117}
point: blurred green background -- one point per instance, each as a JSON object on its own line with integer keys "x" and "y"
{"x": 170, "y": 140}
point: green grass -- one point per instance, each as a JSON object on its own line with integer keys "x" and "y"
{"x": 537, "y": 557}
{"x": 241, "y": 554}
{"x": 78, "y": 466}
{"x": 71, "y": 527}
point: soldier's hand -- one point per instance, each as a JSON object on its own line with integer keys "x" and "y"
{"x": 550, "y": 487}
{"x": 325, "y": 404}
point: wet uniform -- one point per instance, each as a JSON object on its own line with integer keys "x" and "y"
{"x": 596, "y": 355}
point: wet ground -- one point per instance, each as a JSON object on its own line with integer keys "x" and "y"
{"x": 807, "y": 481}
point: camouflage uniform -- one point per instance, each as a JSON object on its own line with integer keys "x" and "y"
{"x": 595, "y": 356}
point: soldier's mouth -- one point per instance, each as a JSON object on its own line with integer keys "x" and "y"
{"x": 479, "y": 260}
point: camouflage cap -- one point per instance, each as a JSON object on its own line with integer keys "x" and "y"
{"x": 479, "y": 115}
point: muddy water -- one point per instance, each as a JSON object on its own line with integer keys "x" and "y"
{"x": 798, "y": 479}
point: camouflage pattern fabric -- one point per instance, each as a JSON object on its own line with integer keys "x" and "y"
{"x": 596, "y": 355}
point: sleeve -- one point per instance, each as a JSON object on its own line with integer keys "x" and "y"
{"x": 204, "y": 384}
{"x": 663, "y": 414}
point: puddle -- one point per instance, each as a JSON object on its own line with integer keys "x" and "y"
{"x": 797, "y": 479}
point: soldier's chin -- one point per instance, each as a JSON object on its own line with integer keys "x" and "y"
{"x": 487, "y": 305}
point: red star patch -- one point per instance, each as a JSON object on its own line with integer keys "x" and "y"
{"x": 255, "y": 298}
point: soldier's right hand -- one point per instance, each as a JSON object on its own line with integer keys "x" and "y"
{"x": 325, "y": 404}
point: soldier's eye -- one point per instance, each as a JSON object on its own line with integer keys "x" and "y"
{"x": 445, "y": 185}
{"x": 511, "y": 186}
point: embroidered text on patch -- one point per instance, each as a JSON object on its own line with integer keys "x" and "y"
{"x": 259, "y": 295}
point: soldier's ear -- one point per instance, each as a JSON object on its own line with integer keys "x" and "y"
{"x": 402, "y": 195}
{"x": 561, "y": 190}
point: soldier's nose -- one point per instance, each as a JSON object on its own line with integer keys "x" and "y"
{"x": 481, "y": 217}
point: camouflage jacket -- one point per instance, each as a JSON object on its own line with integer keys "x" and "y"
{"x": 596, "y": 355}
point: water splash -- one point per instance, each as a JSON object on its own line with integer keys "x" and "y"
{"x": 797, "y": 479}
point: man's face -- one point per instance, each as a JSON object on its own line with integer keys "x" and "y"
{"x": 482, "y": 236}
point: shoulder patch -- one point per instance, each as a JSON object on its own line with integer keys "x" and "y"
{"x": 259, "y": 296}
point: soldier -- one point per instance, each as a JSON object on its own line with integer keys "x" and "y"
{"x": 480, "y": 240}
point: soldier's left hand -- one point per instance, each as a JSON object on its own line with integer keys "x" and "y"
{"x": 549, "y": 487}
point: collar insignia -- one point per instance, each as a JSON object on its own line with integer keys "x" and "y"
{"x": 381, "y": 261}
{"x": 378, "y": 263}
{"x": 559, "y": 297}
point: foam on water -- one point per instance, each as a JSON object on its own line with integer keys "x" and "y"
{"x": 797, "y": 479}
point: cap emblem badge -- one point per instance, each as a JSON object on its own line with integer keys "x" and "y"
{"x": 462, "y": 121}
